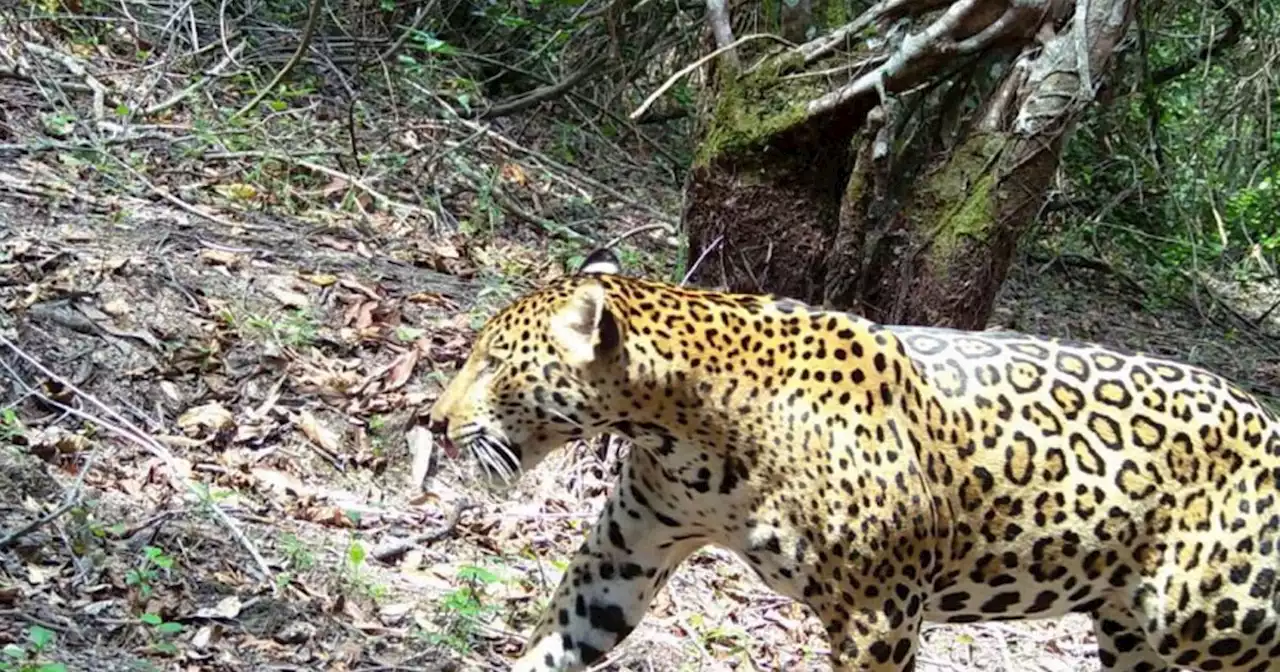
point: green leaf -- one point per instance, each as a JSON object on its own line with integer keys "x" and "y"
{"x": 407, "y": 334}
{"x": 169, "y": 628}
{"x": 52, "y": 667}
{"x": 472, "y": 573}
{"x": 432, "y": 44}
{"x": 14, "y": 651}
{"x": 40, "y": 636}
{"x": 151, "y": 619}
{"x": 356, "y": 553}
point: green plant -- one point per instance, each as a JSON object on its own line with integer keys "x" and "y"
{"x": 296, "y": 554}
{"x": 146, "y": 573}
{"x": 463, "y": 608}
{"x": 295, "y": 328}
{"x": 11, "y": 426}
{"x": 496, "y": 292}
{"x": 31, "y": 657}
{"x": 162, "y": 632}
{"x": 59, "y": 124}
{"x": 353, "y": 573}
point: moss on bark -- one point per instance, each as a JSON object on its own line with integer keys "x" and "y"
{"x": 755, "y": 109}
{"x": 958, "y": 198}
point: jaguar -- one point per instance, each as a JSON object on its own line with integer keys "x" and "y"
{"x": 884, "y": 476}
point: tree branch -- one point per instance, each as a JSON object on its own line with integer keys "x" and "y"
{"x": 542, "y": 94}
{"x": 639, "y": 111}
{"x": 1230, "y": 37}
{"x": 313, "y": 18}
{"x": 721, "y": 28}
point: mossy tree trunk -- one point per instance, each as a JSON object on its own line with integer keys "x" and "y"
{"x": 902, "y": 193}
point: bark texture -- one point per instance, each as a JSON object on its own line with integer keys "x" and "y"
{"x": 902, "y": 192}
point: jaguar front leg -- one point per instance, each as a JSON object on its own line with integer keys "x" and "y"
{"x": 626, "y": 559}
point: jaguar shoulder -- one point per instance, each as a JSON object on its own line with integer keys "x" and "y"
{"x": 885, "y": 476}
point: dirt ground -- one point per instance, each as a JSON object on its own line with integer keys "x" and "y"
{"x": 244, "y": 496}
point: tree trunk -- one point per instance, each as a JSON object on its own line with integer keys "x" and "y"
{"x": 895, "y": 195}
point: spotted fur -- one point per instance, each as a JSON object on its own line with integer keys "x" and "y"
{"x": 885, "y": 476}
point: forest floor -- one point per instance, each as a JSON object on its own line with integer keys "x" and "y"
{"x": 207, "y": 453}
{"x": 270, "y": 369}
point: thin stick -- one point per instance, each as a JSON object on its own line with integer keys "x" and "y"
{"x": 183, "y": 205}
{"x": 638, "y": 230}
{"x": 199, "y": 83}
{"x": 131, "y": 432}
{"x": 349, "y": 179}
{"x": 307, "y": 32}
{"x": 653, "y": 97}
{"x": 714, "y": 244}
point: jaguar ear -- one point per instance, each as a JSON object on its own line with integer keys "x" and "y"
{"x": 584, "y": 327}
{"x": 601, "y": 262}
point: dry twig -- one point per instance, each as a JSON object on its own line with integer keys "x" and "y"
{"x": 121, "y": 426}
{"x": 312, "y": 19}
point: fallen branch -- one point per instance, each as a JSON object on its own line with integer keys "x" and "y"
{"x": 72, "y": 65}
{"x": 542, "y": 94}
{"x": 84, "y": 145}
{"x": 124, "y": 428}
{"x": 376, "y": 195}
{"x": 183, "y": 205}
{"x": 307, "y": 31}
{"x": 396, "y": 549}
{"x": 722, "y": 30}
{"x": 636, "y": 231}
{"x": 548, "y": 162}
{"x": 198, "y": 84}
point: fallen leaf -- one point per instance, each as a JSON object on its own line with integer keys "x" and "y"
{"x": 446, "y": 251}
{"x": 364, "y": 318}
{"x": 211, "y": 416}
{"x": 321, "y": 279}
{"x": 171, "y": 391}
{"x": 513, "y": 172}
{"x": 421, "y": 443}
{"x": 220, "y": 258}
{"x": 116, "y": 307}
{"x": 402, "y": 369}
{"x": 353, "y": 285}
{"x": 281, "y": 290}
{"x": 202, "y": 637}
{"x": 228, "y": 607}
{"x": 279, "y": 481}
{"x": 237, "y": 191}
{"x": 392, "y": 614}
{"x": 317, "y": 432}
{"x": 38, "y": 574}
{"x": 336, "y": 185}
